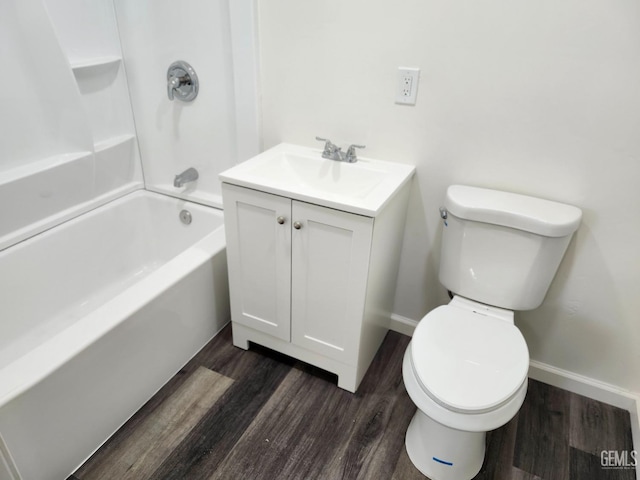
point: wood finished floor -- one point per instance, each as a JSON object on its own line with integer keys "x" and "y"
{"x": 234, "y": 414}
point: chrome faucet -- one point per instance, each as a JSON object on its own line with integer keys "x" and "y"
{"x": 333, "y": 152}
{"x": 189, "y": 175}
{"x": 350, "y": 156}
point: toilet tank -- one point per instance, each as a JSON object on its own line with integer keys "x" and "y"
{"x": 503, "y": 249}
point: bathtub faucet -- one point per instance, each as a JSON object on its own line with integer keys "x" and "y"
{"x": 189, "y": 175}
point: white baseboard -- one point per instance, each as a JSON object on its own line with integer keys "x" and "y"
{"x": 403, "y": 325}
{"x": 573, "y": 382}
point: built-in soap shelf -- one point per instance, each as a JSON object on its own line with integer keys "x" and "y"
{"x": 113, "y": 142}
{"x": 84, "y": 65}
{"x": 45, "y": 192}
{"x": 115, "y": 162}
{"x": 40, "y": 166}
{"x": 33, "y": 197}
{"x": 103, "y": 88}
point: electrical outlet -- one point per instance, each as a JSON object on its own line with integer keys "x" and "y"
{"x": 407, "y": 89}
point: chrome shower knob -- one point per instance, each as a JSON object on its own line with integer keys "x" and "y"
{"x": 182, "y": 82}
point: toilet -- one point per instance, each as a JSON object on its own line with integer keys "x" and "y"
{"x": 466, "y": 365}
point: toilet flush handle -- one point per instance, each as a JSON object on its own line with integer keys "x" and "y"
{"x": 444, "y": 215}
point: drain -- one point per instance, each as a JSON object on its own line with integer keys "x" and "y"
{"x": 185, "y": 217}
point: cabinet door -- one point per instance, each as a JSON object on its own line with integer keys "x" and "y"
{"x": 259, "y": 258}
{"x": 330, "y": 259}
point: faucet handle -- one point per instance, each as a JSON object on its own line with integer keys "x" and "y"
{"x": 182, "y": 81}
{"x": 329, "y": 147}
{"x": 351, "y": 153}
{"x": 173, "y": 83}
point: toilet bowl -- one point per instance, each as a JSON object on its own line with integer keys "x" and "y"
{"x": 466, "y": 365}
{"x": 466, "y": 371}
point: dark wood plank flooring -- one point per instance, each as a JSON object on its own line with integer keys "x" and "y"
{"x": 234, "y": 414}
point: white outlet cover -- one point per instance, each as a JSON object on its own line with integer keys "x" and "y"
{"x": 407, "y": 85}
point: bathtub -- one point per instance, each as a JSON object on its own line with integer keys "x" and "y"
{"x": 96, "y": 315}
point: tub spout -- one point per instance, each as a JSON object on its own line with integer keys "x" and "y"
{"x": 189, "y": 175}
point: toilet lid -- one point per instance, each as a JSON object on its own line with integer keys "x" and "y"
{"x": 467, "y": 361}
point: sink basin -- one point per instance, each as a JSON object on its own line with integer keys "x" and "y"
{"x": 297, "y": 172}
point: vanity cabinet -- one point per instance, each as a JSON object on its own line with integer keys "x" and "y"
{"x": 313, "y": 282}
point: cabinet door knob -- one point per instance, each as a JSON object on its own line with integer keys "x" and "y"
{"x": 280, "y": 220}
{"x": 297, "y": 225}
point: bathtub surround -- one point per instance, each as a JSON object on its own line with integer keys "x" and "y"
{"x": 68, "y": 139}
{"x": 217, "y": 129}
{"x": 69, "y": 143}
{"x": 539, "y": 98}
{"x": 238, "y": 431}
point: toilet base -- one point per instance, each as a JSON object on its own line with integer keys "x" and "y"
{"x": 443, "y": 453}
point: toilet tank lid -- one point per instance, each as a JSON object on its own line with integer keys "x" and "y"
{"x": 531, "y": 214}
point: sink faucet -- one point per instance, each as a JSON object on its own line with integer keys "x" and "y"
{"x": 333, "y": 152}
{"x": 189, "y": 175}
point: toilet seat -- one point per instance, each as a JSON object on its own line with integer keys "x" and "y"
{"x": 468, "y": 362}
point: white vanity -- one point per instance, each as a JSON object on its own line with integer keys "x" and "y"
{"x": 313, "y": 247}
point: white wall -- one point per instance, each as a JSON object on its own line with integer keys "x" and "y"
{"x": 541, "y": 98}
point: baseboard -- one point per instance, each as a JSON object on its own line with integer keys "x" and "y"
{"x": 573, "y": 382}
{"x": 403, "y": 325}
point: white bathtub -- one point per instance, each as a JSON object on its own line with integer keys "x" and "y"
{"x": 95, "y": 316}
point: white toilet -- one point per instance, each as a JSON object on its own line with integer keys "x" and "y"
{"x": 466, "y": 365}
